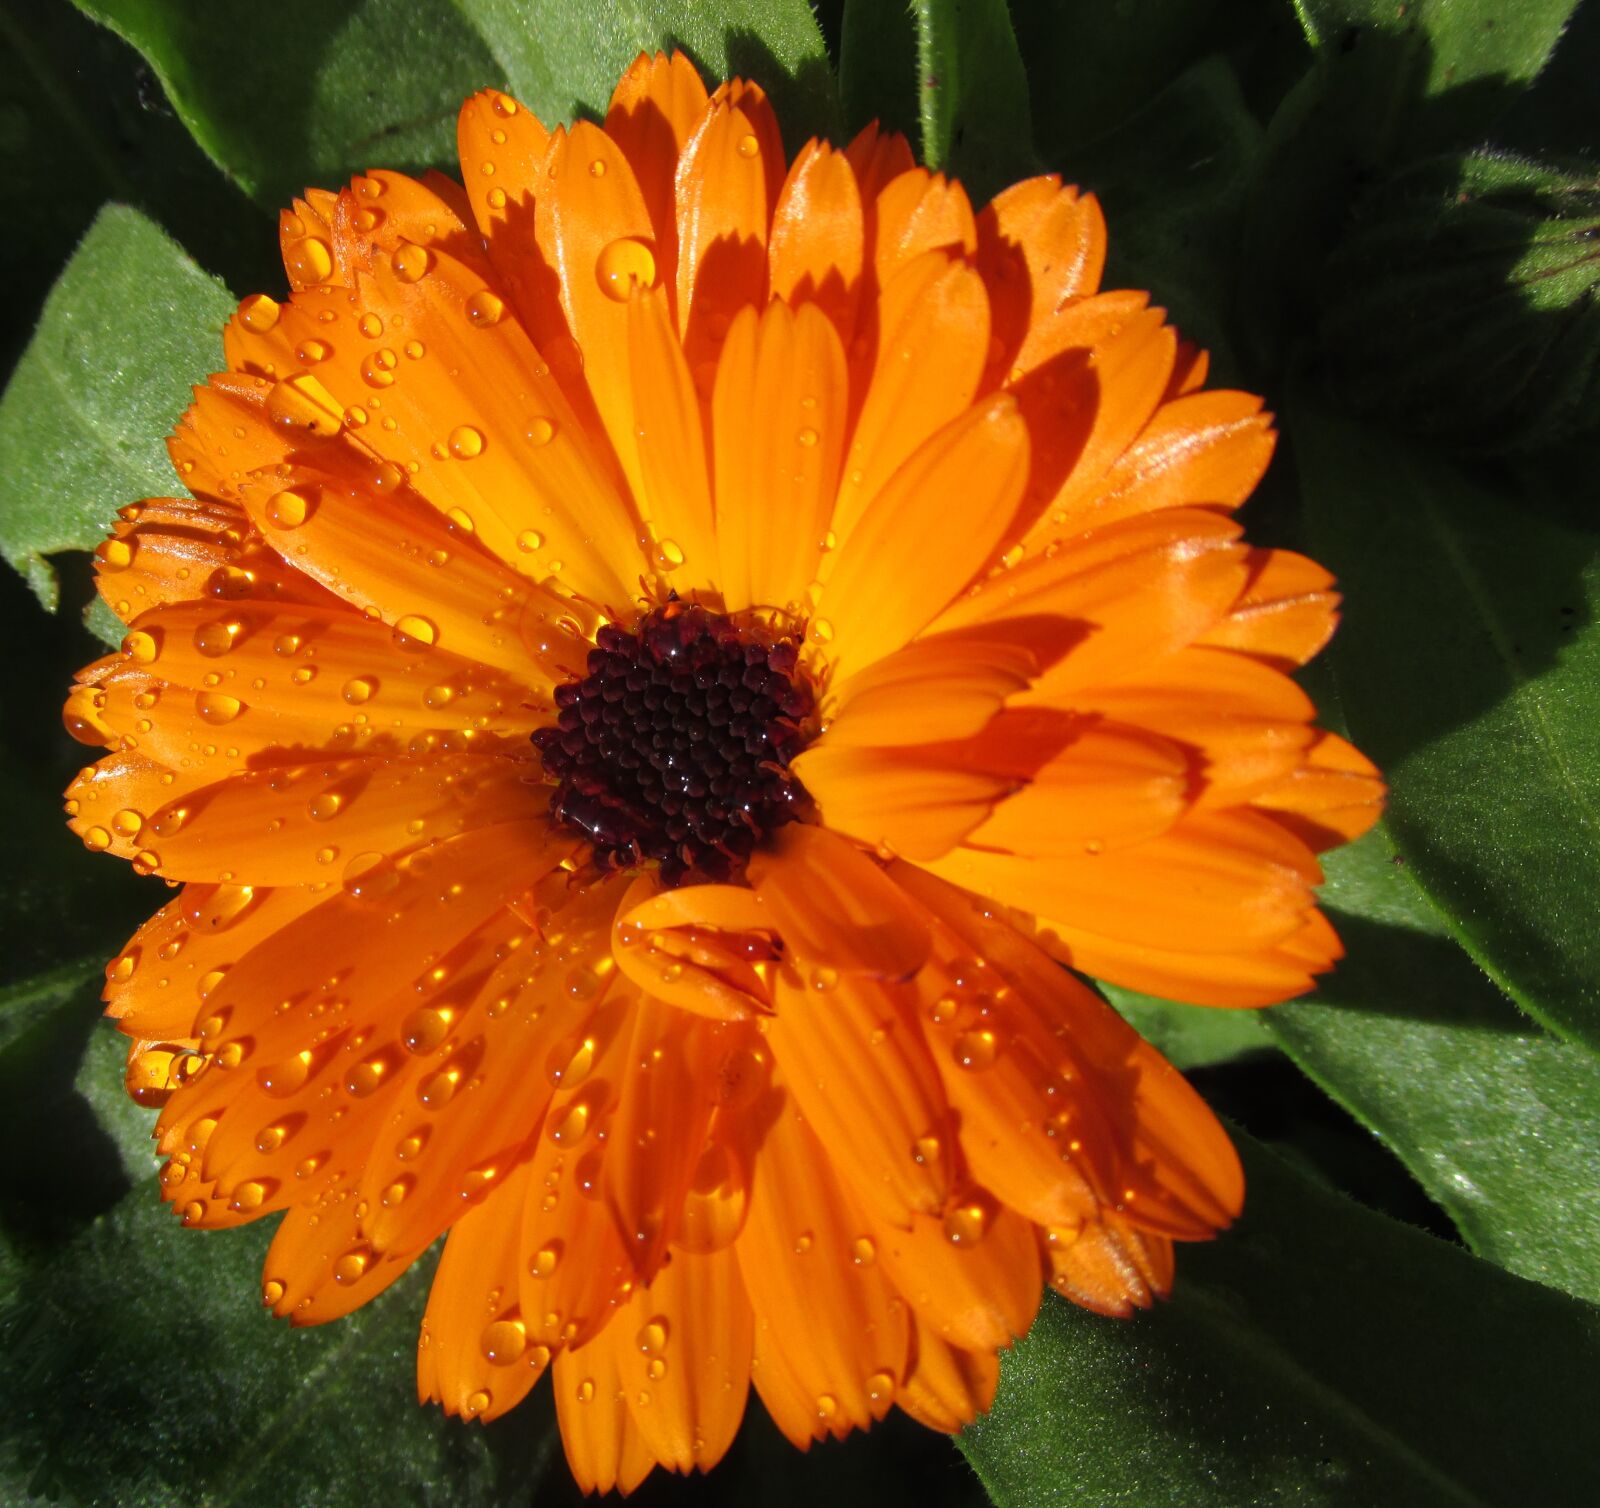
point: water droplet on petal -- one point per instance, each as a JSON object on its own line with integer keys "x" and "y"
{"x": 623, "y": 263}
{"x": 217, "y": 707}
{"x": 540, "y": 431}
{"x": 413, "y": 631}
{"x": 466, "y": 442}
{"x": 504, "y": 1342}
{"x": 410, "y": 261}
{"x": 485, "y": 309}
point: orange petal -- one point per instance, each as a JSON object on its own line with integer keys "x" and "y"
{"x": 817, "y": 251}
{"x": 681, "y": 1353}
{"x": 980, "y": 1294}
{"x": 928, "y": 692}
{"x": 1039, "y": 246}
{"x": 834, "y": 907}
{"x": 1332, "y": 798}
{"x": 832, "y": 1342}
{"x": 363, "y": 533}
{"x": 1110, "y": 1268}
{"x": 598, "y": 236}
{"x": 914, "y": 548}
{"x": 672, "y": 447}
{"x": 852, "y": 1054}
{"x": 208, "y": 453}
{"x": 1115, "y": 600}
{"x": 662, "y": 1118}
{"x": 654, "y": 110}
{"x": 496, "y": 447}
{"x": 279, "y": 824}
{"x": 1285, "y": 614}
{"x": 473, "y": 1354}
{"x": 1208, "y": 449}
{"x": 932, "y": 324}
{"x": 723, "y": 217}
{"x": 296, "y": 683}
{"x": 917, "y": 212}
{"x": 1214, "y": 882}
{"x": 948, "y": 1388}
{"x": 158, "y": 985}
{"x": 605, "y": 1448}
{"x": 778, "y": 435}
{"x": 495, "y": 132}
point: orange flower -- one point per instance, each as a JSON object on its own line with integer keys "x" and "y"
{"x": 666, "y": 654}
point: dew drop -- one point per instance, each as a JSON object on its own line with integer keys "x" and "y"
{"x": 529, "y": 540}
{"x": 863, "y": 1251}
{"x": 827, "y": 1404}
{"x": 217, "y": 707}
{"x": 259, "y": 313}
{"x": 586, "y": 1390}
{"x": 748, "y": 145}
{"x": 358, "y": 689}
{"x": 97, "y": 839}
{"x": 325, "y": 807}
{"x": 504, "y": 1342}
{"x": 141, "y": 646}
{"x": 424, "y": 1029}
{"x": 802, "y": 1243}
{"x": 350, "y": 1267}
{"x": 413, "y": 632}
{"x": 309, "y": 260}
{"x": 410, "y": 261}
{"x": 652, "y": 1337}
{"x": 271, "y": 1292}
{"x": 880, "y": 1387}
{"x": 821, "y": 631}
{"x": 466, "y": 442}
{"x": 115, "y": 554}
{"x": 967, "y": 1223}
{"x": 369, "y": 876}
{"x": 624, "y": 263}
{"x": 310, "y": 352}
{"x": 545, "y": 1260}
{"x": 976, "y": 1050}
{"x": 669, "y": 555}
{"x": 485, "y": 309}
{"x": 540, "y": 431}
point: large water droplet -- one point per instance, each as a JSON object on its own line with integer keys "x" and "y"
{"x": 624, "y": 263}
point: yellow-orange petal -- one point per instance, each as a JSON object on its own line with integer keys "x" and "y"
{"x": 917, "y": 212}
{"x": 1110, "y": 1268}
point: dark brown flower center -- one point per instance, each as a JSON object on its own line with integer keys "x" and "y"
{"x": 676, "y": 745}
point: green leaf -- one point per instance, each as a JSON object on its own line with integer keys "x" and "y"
{"x": 129, "y": 327}
{"x": 563, "y": 58}
{"x": 1470, "y": 57}
{"x": 1493, "y": 1117}
{"x": 1172, "y": 182}
{"x": 1468, "y": 664}
{"x": 878, "y": 68}
{"x": 1319, "y": 1354}
{"x": 1091, "y": 66}
{"x": 78, "y": 126}
{"x": 1189, "y": 1036}
{"x": 974, "y": 94}
{"x": 307, "y": 93}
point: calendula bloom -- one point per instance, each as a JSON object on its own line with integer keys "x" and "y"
{"x": 667, "y": 653}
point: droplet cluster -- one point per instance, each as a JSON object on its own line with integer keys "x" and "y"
{"x": 675, "y": 746}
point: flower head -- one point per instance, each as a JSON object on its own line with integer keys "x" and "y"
{"x": 666, "y": 654}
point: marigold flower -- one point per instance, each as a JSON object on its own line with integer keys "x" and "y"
{"x": 667, "y": 653}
